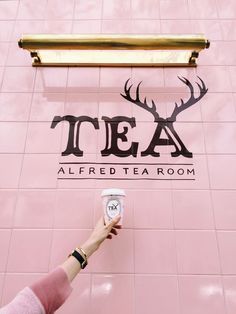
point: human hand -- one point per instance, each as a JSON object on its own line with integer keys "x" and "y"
{"x": 101, "y": 232}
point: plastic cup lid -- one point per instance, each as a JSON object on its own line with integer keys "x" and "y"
{"x": 113, "y": 192}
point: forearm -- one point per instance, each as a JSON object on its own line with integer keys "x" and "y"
{"x": 71, "y": 266}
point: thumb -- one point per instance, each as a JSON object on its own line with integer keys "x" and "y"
{"x": 114, "y": 221}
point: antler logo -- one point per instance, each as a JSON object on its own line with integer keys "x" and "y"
{"x": 166, "y": 125}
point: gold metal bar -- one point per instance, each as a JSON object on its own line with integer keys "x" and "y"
{"x": 113, "y": 58}
{"x": 113, "y": 42}
{"x": 114, "y": 50}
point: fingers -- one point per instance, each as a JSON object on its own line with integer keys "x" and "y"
{"x": 112, "y": 232}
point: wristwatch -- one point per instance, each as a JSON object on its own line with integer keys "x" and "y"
{"x": 81, "y": 257}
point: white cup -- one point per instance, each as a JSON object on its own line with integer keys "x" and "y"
{"x": 113, "y": 204}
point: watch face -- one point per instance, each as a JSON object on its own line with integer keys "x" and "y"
{"x": 113, "y": 208}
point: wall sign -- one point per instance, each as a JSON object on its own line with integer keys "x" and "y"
{"x": 127, "y": 170}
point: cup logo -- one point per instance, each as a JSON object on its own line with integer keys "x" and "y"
{"x": 113, "y": 208}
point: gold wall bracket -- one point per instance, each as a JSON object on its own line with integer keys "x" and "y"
{"x": 114, "y": 50}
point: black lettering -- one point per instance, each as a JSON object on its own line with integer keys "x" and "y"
{"x": 74, "y": 131}
{"x": 192, "y": 171}
{"x": 91, "y": 170}
{"x": 135, "y": 170}
{"x": 170, "y": 171}
{"x": 126, "y": 170}
{"x": 102, "y": 171}
{"x": 145, "y": 171}
{"x": 180, "y": 171}
{"x": 112, "y": 170}
{"x": 81, "y": 170}
{"x": 61, "y": 170}
{"x": 160, "y": 170}
{"x": 112, "y": 137}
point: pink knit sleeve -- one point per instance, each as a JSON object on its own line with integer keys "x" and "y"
{"x": 52, "y": 290}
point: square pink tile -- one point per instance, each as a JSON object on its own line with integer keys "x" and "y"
{"x": 39, "y": 171}
{"x": 31, "y": 242}
{"x": 205, "y": 10}
{"x": 15, "y": 283}
{"x": 8, "y": 10}
{"x": 56, "y": 11}
{"x": 74, "y": 209}
{"x": 82, "y": 104}
{"x": 220, "y": 138}
{"x": 14, "y": 106}
{"x": 230, "y": 290}
{"x": 6, "y": 28}
{"x": 64, "y": 242}
{"x": 31, "y": 10}
{"x": 116, "y": 10}
{"x": 57, "y": 26}
{"x": 201, "y": 294}
{"x": 222, "y": 169}
{"x": 197, "y": 252}
{"x": 153, "y": 209}
{"x": 4, "y": 47}
{"x": 107, "y": 258}
{"x": 216, "y": 57}
{"x": 46, "y": 106}
{"x": 12, "y": 137}
{"x": 209, "y": 27}
{"x": 155, "y": 292}
{"x": 227, "y": 244}
{"x": 213, "y": 110}
{"x": 18, "y": 79}
{"x": 145, "y": 10}
{"x": 152, "y": 79}
{"x": 91, "y": 9}
{"x": 36, "y": 135}
{"x": 112, "y": 105}
{"x": 109, "y": 290}
{"x": 18, "y": 57}
{"x": 120, "y": 27}
{"x": 51, "y": 80}
{"x": 174, "y": 85}
{"x": 24, "y": 27}
{"x": 161, "y": 254}
{"x": 192, "y": 210}
{"x": 83, "y": 80}
{"x": 146, "y": 26}
{"x": 175, "y": 26}
{"x": 228, "y": 28}
{"x": 226, "y": 11}
{"x": 86, "y": 27}
{"x": 7, "y": 207}
{"x": 79, "y": 299}
{"x": 217, "y": 78}
{"x": 34, "y": 209}
{"x": 10, "y": 168}
{"x": 113, "y": 80}
{"x": 174, "y": 10}
{"x": 198, "y": 166}
{"x": 5, "y": 237}
{"x": 192, "y": 136}
{"x": 224, "y": 209}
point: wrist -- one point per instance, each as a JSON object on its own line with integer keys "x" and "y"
{"x": 89, "y": 247}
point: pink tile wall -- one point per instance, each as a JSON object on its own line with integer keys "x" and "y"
{"x": 176, "y": 252}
